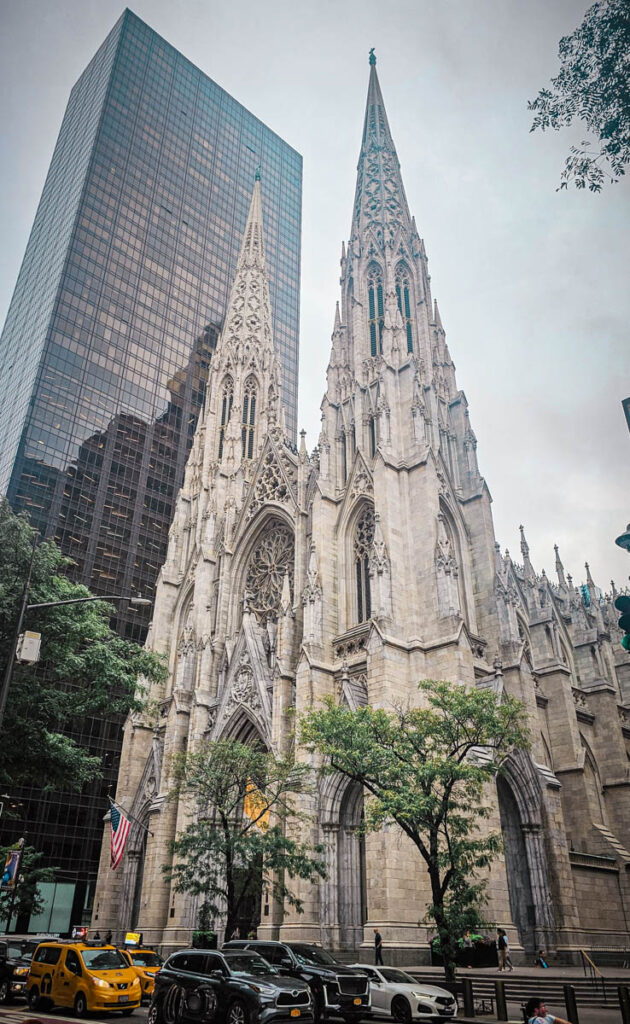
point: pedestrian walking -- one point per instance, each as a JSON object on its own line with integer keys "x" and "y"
{"x": 505, "y": 964}
{"x": 540, "y": 959}
{"x": 108, "y": 937}
{"x": 467, "y": 948}
{"x": 537, "y": 1013}
{"x": 378, "y": 947}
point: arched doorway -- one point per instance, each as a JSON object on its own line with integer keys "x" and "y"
{"x": 516, "y": 867}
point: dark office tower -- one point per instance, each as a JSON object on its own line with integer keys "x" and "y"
{"x": 118, "y": 304}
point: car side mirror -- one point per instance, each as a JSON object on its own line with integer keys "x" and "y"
{"x": 286, "y": 962}
{"x": 216, "y": 972}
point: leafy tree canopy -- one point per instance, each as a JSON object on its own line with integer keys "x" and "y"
{"x": 85, "y": 668}
{"x": 593, "y": 86}
{"x": 26, "y": 899}
{"x": 425, "y": 769}
{"x": 237, "y": 843}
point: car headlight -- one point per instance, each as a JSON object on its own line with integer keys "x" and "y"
{"x": 263, "y": 990}
{"x": 422, "y": 995}
{"x": 100, "y": 983}
{"x": 19, "y": 972}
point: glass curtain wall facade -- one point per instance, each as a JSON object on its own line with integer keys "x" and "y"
{"x": 106, "y": 347}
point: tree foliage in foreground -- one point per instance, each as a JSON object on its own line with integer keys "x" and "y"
{"x": 85, "y": 668}
{"x": 593, "y": 86}
{"x": 26, "y": 898}
{"x": 227, "y": 857}
{"x": 425, "y": 769}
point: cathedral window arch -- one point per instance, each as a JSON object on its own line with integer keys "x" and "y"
{"x": 361, "y": 546}
{"x": 403, "y": 296}
{"x": 248, "y": 422}
{"x": 376, "y": 310}
{"x": 227, "y": 401}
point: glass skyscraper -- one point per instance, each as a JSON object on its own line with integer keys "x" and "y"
{"x": 106, "y": 346}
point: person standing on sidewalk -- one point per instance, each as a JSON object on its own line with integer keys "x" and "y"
{"x": 378, "y": 947}
{"x": 537, "y": 1013}
{"x": 505, "y": 964}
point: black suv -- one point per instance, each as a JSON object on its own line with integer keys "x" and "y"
{"x": 15, "y": 960}
{"x": 339, "y": 991}
{"x": 238, "y": 987}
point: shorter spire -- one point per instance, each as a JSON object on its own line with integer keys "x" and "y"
{"x": 337, "y": 326}
{"x": 527, "y": 565}
{"x": 436, "y": 316}
{"x": 559, "y": 568}
{"x": 372, "y": 56}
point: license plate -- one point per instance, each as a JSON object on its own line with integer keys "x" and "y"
{"x": 123, "y": 999}
{"x": 357, "y": 1002}
{"x": 295, "y": 1013}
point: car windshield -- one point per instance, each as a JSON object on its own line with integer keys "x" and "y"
{"x": 313, "y": 955}
{"x": 243, "y": 963}
{"x": 16, "y": 952}
{"x": 140, "y": 959}
{"x": 103, "y": 959}
{"x": 392, "y": 974}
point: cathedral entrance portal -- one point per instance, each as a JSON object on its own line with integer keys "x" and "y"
{"x": 517, "y": 867}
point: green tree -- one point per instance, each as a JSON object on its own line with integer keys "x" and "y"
{"x": 425, "y": 769}
{"x": 593, "y": 86}
{"x": 85, "y": 668}
{"x": 26, "y": 898}
{"x": 236, "y": 844}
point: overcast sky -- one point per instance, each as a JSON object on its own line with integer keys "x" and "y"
{"x": 532, "y": 283}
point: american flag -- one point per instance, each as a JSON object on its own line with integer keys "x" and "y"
{"x": 120, "y": 831}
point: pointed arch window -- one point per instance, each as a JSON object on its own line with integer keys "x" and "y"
{"x": 403, "y": 295}
{"x": 248, "y": 422}
{"x": 227, "y": 400}
{"x": 372, "y": 426}
{"x": 376, "y": 311}
{"x": 363, "y": 539}
{"x": 344, "y": 457}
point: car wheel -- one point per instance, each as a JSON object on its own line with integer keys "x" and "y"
{"x": 4, "y": 991}
{"x": 155, "y": 1015}
{"x": 237, "y": 1014}
{"x": 33, "y": 998}
{"x": 401, "y": 1010}
{"x": 80, "y": 1005}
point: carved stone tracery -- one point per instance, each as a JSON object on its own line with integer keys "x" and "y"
{"x": 270, "y": 561}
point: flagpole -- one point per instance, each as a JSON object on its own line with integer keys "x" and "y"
{"x": 130, "y": 816}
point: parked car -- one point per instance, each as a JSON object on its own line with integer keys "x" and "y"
{"x": 146, "y": 963}
{"x": 237, "y": 987}
{"x": 83, "y": 976}
{"x": 396, "y": 993}
{"x": 338, "y": 990}
{"x": 15, "y": 958}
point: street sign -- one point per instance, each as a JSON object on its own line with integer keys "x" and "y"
{"x": 28, "y": 647}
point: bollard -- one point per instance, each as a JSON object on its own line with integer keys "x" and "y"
{"x": 499, "y": 988}
{"x": 469, "y": 1002}
{"x": 624, "y": 1003}
{"x": 570, "y": 1003}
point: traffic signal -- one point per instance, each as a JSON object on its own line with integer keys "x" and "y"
{"x": 622, "y": 604}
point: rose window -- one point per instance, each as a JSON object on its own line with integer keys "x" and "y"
{"x": 271, "y": 559}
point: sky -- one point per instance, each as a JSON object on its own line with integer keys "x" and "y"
{"x": 532, "y": 282}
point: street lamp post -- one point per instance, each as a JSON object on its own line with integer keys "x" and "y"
{"x": 25, "y": 607}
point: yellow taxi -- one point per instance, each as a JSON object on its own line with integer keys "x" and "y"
{"x": 87, "y": 978}
{"x": 146, "y": 963}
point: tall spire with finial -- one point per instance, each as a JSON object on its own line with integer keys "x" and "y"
{"x": 527, "y": 565}
{"x": 380, "y": 204}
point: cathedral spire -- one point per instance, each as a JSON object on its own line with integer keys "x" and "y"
{"x": 380, "y": 205}
{"x": 560, "y": 568}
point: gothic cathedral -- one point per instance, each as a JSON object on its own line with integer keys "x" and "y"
{"x": 354, "y": 572}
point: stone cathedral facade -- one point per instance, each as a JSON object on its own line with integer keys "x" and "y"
{"x": 356, "y": 571}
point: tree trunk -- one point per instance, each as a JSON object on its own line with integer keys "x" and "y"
{"x": 448, "y": 942}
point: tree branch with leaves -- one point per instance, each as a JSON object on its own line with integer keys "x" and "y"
{"x": 592, "y": 86}
{"x": 425, "y": 769}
